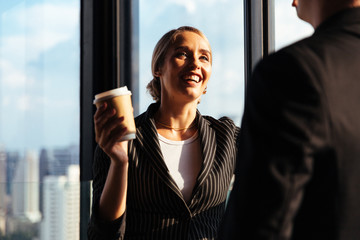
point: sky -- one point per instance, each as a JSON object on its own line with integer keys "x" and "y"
{"x": 40, "y": 61}
{"x": 39, "y": 73}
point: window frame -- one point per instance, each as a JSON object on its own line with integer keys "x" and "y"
{"x": 109, "y": 38}
{"x": 259, "y": 20}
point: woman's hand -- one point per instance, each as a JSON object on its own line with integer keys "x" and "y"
{"x": 108, "y": 131}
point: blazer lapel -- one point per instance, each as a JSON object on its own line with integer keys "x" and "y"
{"x": 147, "y": 136}
{"x": 208, "y": 144}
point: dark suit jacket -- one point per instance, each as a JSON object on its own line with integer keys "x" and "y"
{"x": 299, "y": 174}
{"x": 155, "y": 206}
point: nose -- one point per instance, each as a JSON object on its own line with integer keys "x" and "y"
{"x": 195, "y": 63}
{"x": 294, "y": 3}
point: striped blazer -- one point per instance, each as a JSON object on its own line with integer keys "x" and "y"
{"x": 155, "y": 206}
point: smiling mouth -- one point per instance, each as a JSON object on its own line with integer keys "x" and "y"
{"x": 193, "y": 78}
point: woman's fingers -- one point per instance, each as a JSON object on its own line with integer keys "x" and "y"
{"x": 104, "y": 120}
{"x": 109, "y": 129}
{"x": 102, "y": 115}
{"x": 112, "y": 126}
{"x": 108, "y": 141}
{"x": 100, "y": 109}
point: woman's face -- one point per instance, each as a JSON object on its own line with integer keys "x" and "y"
{"x": 186, "y": 69}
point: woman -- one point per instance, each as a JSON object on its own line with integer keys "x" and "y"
{"x": 171, "y": 182}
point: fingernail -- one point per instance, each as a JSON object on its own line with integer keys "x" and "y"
{"x": 101, "y": 106}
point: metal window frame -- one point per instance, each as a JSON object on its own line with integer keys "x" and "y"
{"x": 109, "y": 59}
{"x": 259, "y": 33}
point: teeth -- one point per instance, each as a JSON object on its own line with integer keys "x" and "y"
{"x": 195, "y": 78}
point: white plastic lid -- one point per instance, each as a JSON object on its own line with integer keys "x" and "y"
{"x": 128, "y": 137}
{"x": 111, "y": 93}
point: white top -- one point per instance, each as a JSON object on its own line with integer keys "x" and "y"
{"x": 183, "y": 159}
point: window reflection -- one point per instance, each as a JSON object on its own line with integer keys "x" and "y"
{"x": 39, "y": 120}
{"x": 222, "y": 23}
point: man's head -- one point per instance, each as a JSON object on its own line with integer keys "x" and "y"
{"x": 316, "y": 11}
{"x": 303, "y": 9}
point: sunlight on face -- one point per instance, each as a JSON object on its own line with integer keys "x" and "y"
{"x": 187, "y": 68}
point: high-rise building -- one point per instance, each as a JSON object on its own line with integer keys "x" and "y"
{"x": 61, "y": 203}
{"x": 56, "y": 162}
{"x": 12, "y": 159}
{"x": 25, "y": 189}
{"x": 59, "y": 159}
{"x": 3, "y": 195}
{"x": 45, "y": 160}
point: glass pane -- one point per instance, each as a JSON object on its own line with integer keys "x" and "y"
{"x": 39, "y": 119}
{"x": 222, "y": 23}
{"x": 288, "y": 27}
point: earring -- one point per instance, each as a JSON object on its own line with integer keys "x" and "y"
{"x": 205, "y": 90}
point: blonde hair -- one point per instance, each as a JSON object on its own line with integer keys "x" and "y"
{"x": 159, "y": 54}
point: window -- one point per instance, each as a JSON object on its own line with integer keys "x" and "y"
{"x": 288, "y": 27}
{"x": 39, "y": 121}
{"x": 222, "y": 23}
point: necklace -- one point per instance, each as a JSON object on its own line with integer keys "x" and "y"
{"x": 175, "y": 129}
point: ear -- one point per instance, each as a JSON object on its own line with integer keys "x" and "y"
{"x": 157, "y": 73}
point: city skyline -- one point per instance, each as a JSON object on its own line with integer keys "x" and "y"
{"x": 28, "y": 195}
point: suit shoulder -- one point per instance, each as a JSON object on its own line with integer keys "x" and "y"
{"x": 140, "y": 119}
{"x": 305, "y": 47}
{"x": 225, "y": 123}
{"x": 288, "y": 54}
{"x": 222, "y": 120}
{"x": 295, "y": 60}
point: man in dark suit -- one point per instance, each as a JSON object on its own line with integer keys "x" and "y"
{"x": 298, "y": 173}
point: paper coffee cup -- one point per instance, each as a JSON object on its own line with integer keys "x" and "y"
{"x": 120, "y": 99}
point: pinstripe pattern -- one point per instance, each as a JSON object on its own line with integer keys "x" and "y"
{"x": 155, "y": 206}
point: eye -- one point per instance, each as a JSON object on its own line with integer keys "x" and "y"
{"x": 205, "y": 58}
{"x": 181, "y": 54}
